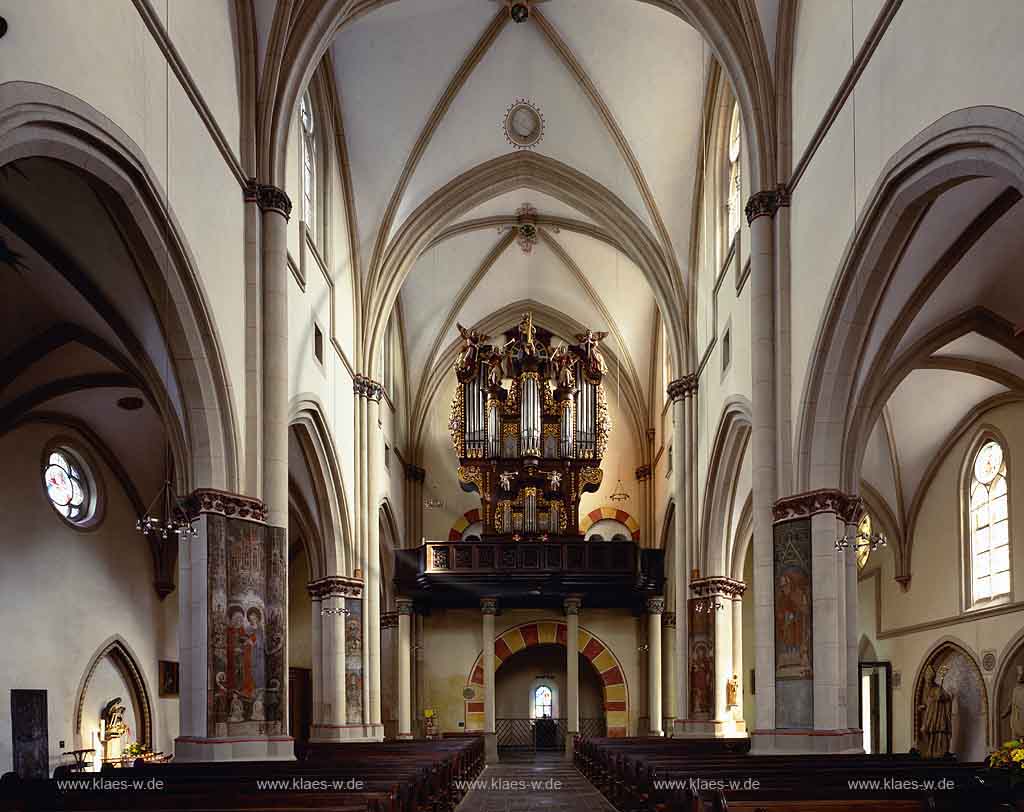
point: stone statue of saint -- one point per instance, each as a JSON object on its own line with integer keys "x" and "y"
{"x": 1016, "y": 709}
{"x": 731, "y": 690}
{"x": 938, "y": 707}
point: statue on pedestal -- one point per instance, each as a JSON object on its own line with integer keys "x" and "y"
{"x": 938, "y": 709}
{"x": 1016, "y": 708}
{"x": 731, "y": 691}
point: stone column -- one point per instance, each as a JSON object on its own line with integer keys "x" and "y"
{"x": 668, "y": 669}
{"x": 760, "y": 210}
{"x": 372, "y": 619}
{"x": 655, "y": 607}
{"x": 414, "y": 476}
{"x": 812, "y": 650}
{"x": 712, "y": 628}
{"x": 276, "y": 209}
{"x": 330, "y": 700}
{"x": 572, "y": 670}
{"x": 737, "y": 659}
{"x": 679, "y": 392}
{"x": 488, "y": 609}
{"x": 234, "y": 570}
{"x": 404, "y": 668}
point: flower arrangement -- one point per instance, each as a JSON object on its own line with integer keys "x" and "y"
{"x": 1010, "y": 756}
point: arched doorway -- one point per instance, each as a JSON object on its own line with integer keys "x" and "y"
{"x": 553, "y": 633}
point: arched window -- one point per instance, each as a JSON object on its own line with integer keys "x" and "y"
{"x": 733, "y": 200}
{"x": 308, "y": 163}
{"x": 542, "y": 702}
{"x": 864, "y": 550}
{"x": 988, "y": 525}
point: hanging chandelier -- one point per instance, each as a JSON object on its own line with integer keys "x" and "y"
{"x": 433, "y": 502}
{"x": 619, "y": 494}
{"x": 166, "y": 516}
{"x": 861, "y": 540}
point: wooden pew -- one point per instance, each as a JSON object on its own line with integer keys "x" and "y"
{"x": 693, "y": 775}
{"x": 392, "y": 777}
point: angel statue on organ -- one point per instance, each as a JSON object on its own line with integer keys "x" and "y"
{"x": 528, "y": 333}
{"x": 495, "y": 368}
{"x": 594, "y": 359}
{"x": 473, "y": 339}
{"x": 564, "y": 363}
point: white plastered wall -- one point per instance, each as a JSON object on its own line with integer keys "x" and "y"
{"x": 66, "y": 592}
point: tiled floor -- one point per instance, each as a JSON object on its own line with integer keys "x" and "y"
{"x": 524, "y": 783}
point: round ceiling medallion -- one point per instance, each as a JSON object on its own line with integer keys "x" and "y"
{"x": 524, "y": 125}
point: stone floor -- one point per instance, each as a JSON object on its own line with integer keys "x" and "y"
{"x": 528, "y": 782}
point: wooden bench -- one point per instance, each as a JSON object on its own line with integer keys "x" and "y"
{"x": 371, "y": 777}
{"x": 712, "y": 775}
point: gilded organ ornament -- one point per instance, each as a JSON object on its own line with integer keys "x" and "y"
{"x": 529, "y": 422}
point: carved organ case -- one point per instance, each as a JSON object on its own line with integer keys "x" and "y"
{"x": 530, "y": 425}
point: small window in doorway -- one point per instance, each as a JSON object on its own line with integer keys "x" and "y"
{"x": 542, "y": 702}
{"x": 318, "y": 343}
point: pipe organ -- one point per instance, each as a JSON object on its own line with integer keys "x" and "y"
{"x": 530, "y": 425}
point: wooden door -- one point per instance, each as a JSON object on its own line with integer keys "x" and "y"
{"x": 29, "y": 729}
{"x": 300, "y": 707}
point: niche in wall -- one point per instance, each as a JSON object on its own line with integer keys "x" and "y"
{"x": 112, "y": 673}
{"x": 959, "y": 675}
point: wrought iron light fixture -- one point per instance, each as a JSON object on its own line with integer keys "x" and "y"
{"x": 433, "y": 502}
{"x": 619, "y": 494}
{"x": 861, "y": 540}
{"x": 708, "y": 605}
{"x": 166, "y": 516}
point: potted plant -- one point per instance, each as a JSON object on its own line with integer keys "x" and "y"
{"x": 1005, "y": 771}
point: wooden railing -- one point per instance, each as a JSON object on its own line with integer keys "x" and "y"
{"x": 611, "y": 557}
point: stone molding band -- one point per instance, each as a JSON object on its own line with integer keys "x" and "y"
{"x": 210, "y": 500}
{"x": 683, "y": 387}
{"x": 334, "y": 586}
{"x": 766, "y": 203}
{"x": 826, "y": 500}
{"x": 718, "y": 585}
{"x": 365, "y": 387}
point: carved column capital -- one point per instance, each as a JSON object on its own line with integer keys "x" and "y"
{"x": 488, "y": 606}
{"x": 718, "y": 585}
{"x": 414, "y": 473}
{"x": 210, "y": 500}
{"x": 766, "y": 203}
{"x": 668, "y": 620}
{"x": 270, "y": 198}
{"x": 655, "y": 606}
{"x": 572, "y": 605}
{"x": 847, "y": 507}
{"x": 403, "y": 606}
{"x": 334, "y": 586}
{"x": 643, "y": 473}
{"x": 368, "y": 388}
{"x": 682, "y": 388}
